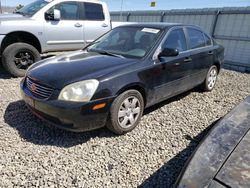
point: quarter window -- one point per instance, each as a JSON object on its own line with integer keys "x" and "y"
{"x": 196, "y": 38}
{"x": 176, "y": 40}
{"x": 93, "y": 11}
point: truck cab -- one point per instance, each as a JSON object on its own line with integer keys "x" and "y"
{"x": 49, "y": 26}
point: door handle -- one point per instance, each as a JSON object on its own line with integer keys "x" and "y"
{"x": 187, "y": 59}
{"x": 210, "y": 53}
{"x": 78, "y": 25}
{"x": 104, "y": 25}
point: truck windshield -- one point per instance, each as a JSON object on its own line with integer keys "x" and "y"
{"x": 131, "y": 42}
{"x": 32, "y": 8}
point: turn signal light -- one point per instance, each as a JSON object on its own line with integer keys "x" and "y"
{"x": 99, "y": 106}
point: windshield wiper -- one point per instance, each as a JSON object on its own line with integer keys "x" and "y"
{"x": 19, "y": 12}
{"x": 103, "y": 52}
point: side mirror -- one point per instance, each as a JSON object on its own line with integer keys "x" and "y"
{"x": 169, "y": 52}
{"x": 55, "y": 16}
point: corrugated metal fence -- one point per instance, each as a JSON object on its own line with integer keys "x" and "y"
{"x": 229, "y": 26}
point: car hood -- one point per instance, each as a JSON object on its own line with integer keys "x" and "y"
{"x": 81, "y": 65}
{"x": 235, "y": 171}
{"x": 10, "y": 17}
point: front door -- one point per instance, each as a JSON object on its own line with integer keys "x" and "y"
{"x": 67, "y": 33}
{"x": 173, "y": 72}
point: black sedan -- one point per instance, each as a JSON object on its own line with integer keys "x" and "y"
{"x": 111, "y": 81}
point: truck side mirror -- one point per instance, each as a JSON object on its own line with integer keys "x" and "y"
{"x": 55, "y": 16}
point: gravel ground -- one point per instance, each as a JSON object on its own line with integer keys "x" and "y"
{"x": 34, "y": 153}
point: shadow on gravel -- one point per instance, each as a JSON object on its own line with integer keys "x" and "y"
{"x": 3, "y": 73}
{"x": 39, "y": 132}
{"x": 167, "y": 175}
{"x": 168, "y": 101}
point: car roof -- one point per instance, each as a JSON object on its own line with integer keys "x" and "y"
{"x": 157, "y": 25}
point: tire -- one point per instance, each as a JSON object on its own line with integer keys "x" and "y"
{"x": 132, "y": 104}
{"x": 211, "y": 79}
{"x": 17, "y": 57}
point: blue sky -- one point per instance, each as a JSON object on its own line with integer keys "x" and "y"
{"x": 115, "y": 5}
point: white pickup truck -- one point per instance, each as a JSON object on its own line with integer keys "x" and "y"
{"x": 48, "y": 26}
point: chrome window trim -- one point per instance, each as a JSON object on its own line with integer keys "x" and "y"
{"x": 157, "y": 51}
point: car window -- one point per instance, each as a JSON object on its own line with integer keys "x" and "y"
{"x": 69, "y": 10}
{"x": 134, "y": 42}
{"x": 176, "y": 40}
{"x": 196, "y": 38}
{"x": 207, "y": 40}
{"x": 138, "y": 35}
{"x": 93, "y": 11}
{"x": 32, "y": 8}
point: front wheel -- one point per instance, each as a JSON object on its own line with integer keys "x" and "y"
{"x": 211, "y": 79}
{"x": 18, "y": 57}
{"x": 126, "y": 112}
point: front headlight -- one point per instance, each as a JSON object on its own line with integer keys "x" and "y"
{"x": 81, "y": 91}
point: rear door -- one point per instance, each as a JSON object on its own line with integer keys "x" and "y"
{"x": 201, "y": 51}
{"x": 67, "y": 33}
{"x": 96, "y": 20}
{"x": 173, "y": 72}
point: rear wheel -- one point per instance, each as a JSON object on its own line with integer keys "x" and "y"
{"x": 18, "y": 57}
{"x": 126, "y": 112}
{"x": 211, "y": 79}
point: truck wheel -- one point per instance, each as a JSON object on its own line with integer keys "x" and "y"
{"x": 18, "y": 57}
{"x": 126, "y": 112}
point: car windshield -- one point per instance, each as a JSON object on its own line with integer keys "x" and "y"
{"x": 131, "y": 42}
{"x": 32, "y": 8}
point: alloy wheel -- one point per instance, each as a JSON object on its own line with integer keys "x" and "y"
{"x": 212, "y": 78}
{"x": 23, "y": 60}
{"x": 129, "y": 112}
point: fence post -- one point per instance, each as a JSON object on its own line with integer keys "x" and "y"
{"x": 162, "y": 16}
{"x": 127, "y": 19}
{"x": 215, "y": 23}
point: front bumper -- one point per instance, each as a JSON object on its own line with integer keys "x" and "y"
{"x": 72, "y": 116}
{"x": 1, "y": 38}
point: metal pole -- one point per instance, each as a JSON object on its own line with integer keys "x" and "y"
{"x": 215, "y": 23}
{"x": 121, "y": 11}
{"x": 1, "y": 7}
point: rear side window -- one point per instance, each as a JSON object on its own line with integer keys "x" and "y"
{"x": 207, "y": 40}
{"x": 196, "y": 38}
{"x": 176, "y": 40}
{"x": 93, "y": 11}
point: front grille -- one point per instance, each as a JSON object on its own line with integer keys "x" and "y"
{"x": 40, "y": 91}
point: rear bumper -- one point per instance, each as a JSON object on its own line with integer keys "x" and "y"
{"x": 72, "y": 116}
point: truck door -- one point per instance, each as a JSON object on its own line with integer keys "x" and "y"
{"x": 67, "y": 33}
{"x": 96, "y": 20}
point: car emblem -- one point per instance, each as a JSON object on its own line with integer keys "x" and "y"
{"x": 33, "y": 87}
